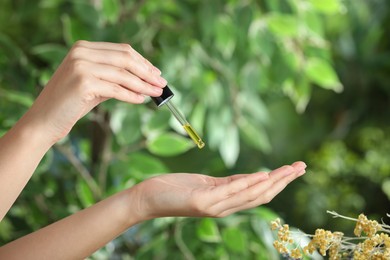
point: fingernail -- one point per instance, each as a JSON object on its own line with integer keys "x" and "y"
{"x": 265, "y": 175}
{"x": 156, "y": 70}
{"x": 157, "y": 90}
{"x": 140, "y": 98}
{"x": 299, "y": 166}
{"x": 163, "y": 81}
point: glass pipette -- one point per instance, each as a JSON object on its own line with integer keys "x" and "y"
{"x": 164, "y": 99}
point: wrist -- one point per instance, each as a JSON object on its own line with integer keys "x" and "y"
{"x": 135, "y": 205}
{"x": 37, "y": 133}
{"x": 31, "y": 134}
{"x": 41, "y": 122}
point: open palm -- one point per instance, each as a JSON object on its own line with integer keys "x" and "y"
{"x": 186, "y": 194}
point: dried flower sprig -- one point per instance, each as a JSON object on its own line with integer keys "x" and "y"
{"x": 374, "y": 245}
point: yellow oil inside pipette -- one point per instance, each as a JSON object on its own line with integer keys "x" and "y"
{"x": 187, "y": 127}
{"x": 194, "y": 136}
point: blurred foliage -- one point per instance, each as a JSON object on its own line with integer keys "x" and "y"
{"x": 264, "y": 82}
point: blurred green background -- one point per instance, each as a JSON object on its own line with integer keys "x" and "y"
{"x": 266, "y": 83}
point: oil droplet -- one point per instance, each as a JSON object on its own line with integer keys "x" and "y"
{"x": 194, "y": 136}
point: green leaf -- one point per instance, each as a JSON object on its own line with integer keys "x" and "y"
{"x": 45, "y": 163}
{"x": 264, "y": 213}
{"x": 87, "y": 12}
{"x": 111, "y": 10}
{"x": 21, "y": 98}
{"x": 198, "y": 117}
{"x": 312, "y": 21}
{"x": 206, "y": 16}
{"x": 299, "y": 92}
{"x": 214, "y": 129}
{"x": 84, "y": 193}
{"x": 261, "y": 225}
{"x": 125, "y": 123}
{"x": 225, "y": 40}
{"x": 143, "y": 164}
{"x": 157, "y": 122}
{"x": 6, "y": 229}
{"x": 328, "y": 7}
{"x": 45, "y": 75}
{"x": 253, "y": 106}
{"x": 320, "y": 72}
{"x": 50, "y": 3}
{"x": 386, "y": 187}
{"x": 229, "y": 148}
{"x": 157, "y": 243}
{"x": 261, "y": 42}
{"x": 235, "y": 239}
{"x": 251, "y": 76}
{"x": 75, "y": 30}
{"x": 208, "y": 231}
{"x": 122, "y": 176}
{"x": 169, "y": 144}
{"x": 254, "y": 135}
{"x": 52, "y": 53}
{"x": 9, "y": 48}
{"x": 283, "y": 25}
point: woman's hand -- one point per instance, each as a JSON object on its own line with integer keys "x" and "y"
{"x": 91, "y": 73}
{"x": 204, "y": 196}
{"x": 81, "y": 234}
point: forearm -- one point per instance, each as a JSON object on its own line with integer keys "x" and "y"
{"x": 79, "y": 235}
{"x": 21, "y": 150}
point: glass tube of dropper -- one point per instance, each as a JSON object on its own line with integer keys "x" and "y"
{"x": 165, "y": 99}
{"x": 187, "y": 127}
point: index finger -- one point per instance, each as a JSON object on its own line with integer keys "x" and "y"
{"x": 260, "y": 192}
{"x": 121, "y": 55}
{"x": 119, "y": 47}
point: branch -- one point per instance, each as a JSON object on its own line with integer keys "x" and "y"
{"x": 132, "y": 12}
{"x": 84, "y": 172}
{"x": 180, "y": 243}
{"x": 337, "y": 215}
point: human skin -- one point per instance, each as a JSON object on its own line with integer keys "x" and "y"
{"x": 180, "y": 194}
{"x": 91, "y": 73}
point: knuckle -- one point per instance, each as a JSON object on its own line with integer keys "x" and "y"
{"x": 126, "y": 55}
{"x": 196, "y": 206}
{"x": 78, "y": 47}
{"x": 116, "y": 89}
{"x": 148, "y": 67}
{"x": 288, "y": 168}
{"x": 121, "y": 70}
{"x": 78, "y": 66}
{"x": 137, "y": 100}
{"x": 126, "y": 47}
{"x": 84, "y": 85}
{"x": 75, "y": 52}
{"x": 267, "y": 198}
{"x": 222, "y": 215}
{"x": 126, "y": 58}
{"x": 81, "y": 76}
{"x": 193, "y": 203}
{"x": 145, "y": 87}
{"x": 200, "y": 208}
{"x": 79, "y": 43}
{"x": 252, "y": 195}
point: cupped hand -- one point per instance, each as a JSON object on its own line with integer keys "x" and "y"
{"x": 91, "y": 73}
{"x": 197, "y": 195}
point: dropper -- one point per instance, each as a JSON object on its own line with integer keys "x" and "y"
{"x": 164, "y": 99}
